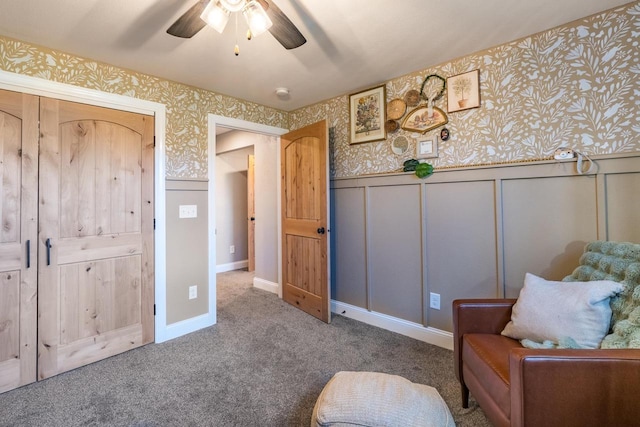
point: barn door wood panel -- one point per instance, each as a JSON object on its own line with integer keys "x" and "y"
{"x": 305, "y": 220}
{"x": 96, "y": 234}
{"x": 18, "y": 234}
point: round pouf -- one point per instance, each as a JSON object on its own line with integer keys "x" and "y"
{"x": 377, "y": 399}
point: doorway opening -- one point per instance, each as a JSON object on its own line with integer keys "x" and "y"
{"x": 234, "y": 164}
{"x": 231, "y": 141}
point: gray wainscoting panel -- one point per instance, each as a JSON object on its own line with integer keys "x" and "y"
{"x": 546, "y": 224}
{"x": 460, "y": 245}
{"x": 473, "y": 232}
{"x": 394, "y": 230}
{"x": 187, "y": 251}
{"x": 349, "y": 247}
{"x": 623, "y": 207}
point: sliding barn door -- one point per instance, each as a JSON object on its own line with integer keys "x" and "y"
{"x": 96, "y": 234}
{"x": 18, "y": 233}
{"x": 305, "y": 220}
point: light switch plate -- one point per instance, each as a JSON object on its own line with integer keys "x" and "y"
{"x": 434, "y": 301}
{"x": 193, "y": 292}
{"x": 188, "y": 211}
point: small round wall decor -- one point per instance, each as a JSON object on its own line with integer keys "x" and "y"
{"x": 396, "y": 109}
{"x": 412, "y": 98}
{"x": 400, "y": 145}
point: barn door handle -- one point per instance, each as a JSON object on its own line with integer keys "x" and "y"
{"x": 48, "y": 245}
{"x": 321, "y": 230}
{"x": 28, "y": 253}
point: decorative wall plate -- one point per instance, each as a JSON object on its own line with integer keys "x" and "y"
{"x": 419, "y": 120}
{"x": 396, "y": 109}
{"x": 400, "y": 145}
{"x": 412, "y": 98}
{"x": 391, "y": 126}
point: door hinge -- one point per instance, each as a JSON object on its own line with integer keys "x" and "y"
{"x": 154, "y": 223}
{"x": 154, "y": 309}
{"x": 154, "y": 141}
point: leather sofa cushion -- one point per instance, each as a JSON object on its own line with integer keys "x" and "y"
{"x": 487, "y": 357}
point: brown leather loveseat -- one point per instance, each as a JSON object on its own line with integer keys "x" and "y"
{"x": 517, "y": 386}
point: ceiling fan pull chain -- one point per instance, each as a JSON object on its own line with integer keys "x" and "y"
{"x": 236, "y": 50}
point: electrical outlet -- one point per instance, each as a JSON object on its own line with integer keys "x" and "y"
{"x": 188, "y": 211}
{"x": 232, "y": 249}
{"x": 434, "y": 301}
{"x": 193, "y": 292}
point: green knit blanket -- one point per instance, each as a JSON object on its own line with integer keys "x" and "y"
{"x": 619, "y": 262}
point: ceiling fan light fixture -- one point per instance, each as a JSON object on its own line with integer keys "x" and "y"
{"x": 256, "y": 17}
{"x": 232, "y": 5}
{"x": 215, "y": 16}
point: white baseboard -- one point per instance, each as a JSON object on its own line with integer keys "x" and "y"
{"x": 265, "y": 285}
{"x": 414, "y": 330}
{"x": 221, "y": 268}
{"x": 187, "y": 326}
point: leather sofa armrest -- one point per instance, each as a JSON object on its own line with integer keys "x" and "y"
{"x": 481, "y": 316}
{"x": 564, "y": 387}
{"x": 477, "y": 316}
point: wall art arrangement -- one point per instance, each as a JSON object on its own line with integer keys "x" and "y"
{"x": 367, "y": 115}
{"x": 420, "y": 118}
{"x": 425, "y": 117}
{"x": 574, "y": 86}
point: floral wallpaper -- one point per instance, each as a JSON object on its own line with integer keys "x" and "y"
{"x": 187, "y": 107}
{"x": 576, "y": 85}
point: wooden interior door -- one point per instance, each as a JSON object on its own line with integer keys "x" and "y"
{"x": 305, "y": 220}
{"x": 18, "y": 234}
{"x": 251, "y": 214}
{"x": 95, "y": 263}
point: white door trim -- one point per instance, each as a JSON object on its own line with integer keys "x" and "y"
{"x": 244, "y": 125}
{"x": 41, "y": 87}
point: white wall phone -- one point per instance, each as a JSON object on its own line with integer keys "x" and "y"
{"x": 565, "y": 153}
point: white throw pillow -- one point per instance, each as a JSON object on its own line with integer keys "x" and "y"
{"x": 556, "y": 311}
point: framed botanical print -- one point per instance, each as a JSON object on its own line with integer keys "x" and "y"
{"x": 463, "y": 91}
{"x": 367, "y": 111}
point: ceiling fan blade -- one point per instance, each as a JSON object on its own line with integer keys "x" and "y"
{"x": 282, "y": 29}
{"x": 189, "y": 23}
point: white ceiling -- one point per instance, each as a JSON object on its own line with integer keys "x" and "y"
{"x": 351, "y": 44}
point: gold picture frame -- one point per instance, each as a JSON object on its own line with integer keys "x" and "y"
{"x": 419, "y": 120}
{"x": 367, "y": 115}
{"x": 463, "y": 91}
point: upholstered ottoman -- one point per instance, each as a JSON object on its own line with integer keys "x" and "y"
{"x": 376, "y": 399}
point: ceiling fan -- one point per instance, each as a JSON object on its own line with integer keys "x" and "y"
{"x": 261, "y": 15}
